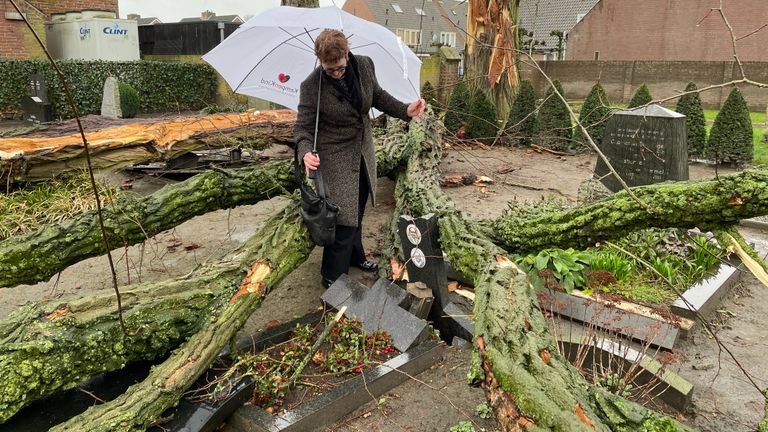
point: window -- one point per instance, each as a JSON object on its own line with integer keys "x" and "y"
{"x": 397, "y": 8}
{"x": 597, "y": 55}
{"x": 448, "y": 39}
{"x": 420, "y": 11}
{"x": 410, "y": 37}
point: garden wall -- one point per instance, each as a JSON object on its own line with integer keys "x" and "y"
{"x": 664, "y": 78}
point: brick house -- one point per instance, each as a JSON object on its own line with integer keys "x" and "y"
{"x": 670, "y": 30}
{"x": 16, "y": 41}
{"x": 543, "y": 17}
{"x": 422, "y": 25}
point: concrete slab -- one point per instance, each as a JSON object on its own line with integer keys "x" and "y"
{"x": 707, "y": 295}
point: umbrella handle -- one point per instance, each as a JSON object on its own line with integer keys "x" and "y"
{"x": 312, "y": 173}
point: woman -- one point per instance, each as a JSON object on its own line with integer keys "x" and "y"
{"x": 345, "y": 152}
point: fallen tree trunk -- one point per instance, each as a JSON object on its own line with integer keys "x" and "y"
{"x": 528, "y": 384}
{"x": 54, "y": 345}
{"x": 40, "y": 158}
{"x": 281, "y": 246}
{"x": 706, "y": 204}
{"x": 37, "y": 256}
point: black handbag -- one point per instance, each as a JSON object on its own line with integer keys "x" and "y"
{"x": 317, "y": 209}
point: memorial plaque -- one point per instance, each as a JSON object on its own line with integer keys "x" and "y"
{"x": 421, "y": 247}
{"x": 645, "y": 146}
{"x": 35, "y": 105}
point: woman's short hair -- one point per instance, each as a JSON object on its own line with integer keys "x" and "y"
{"x": 331, "y": 46}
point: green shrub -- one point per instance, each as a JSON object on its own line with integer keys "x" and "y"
{"x": 482, "y": 123}
{"x": 594, "y": 113}
{"x": 730, "y": 139}
{"x": 458, "y": 105}
{"x": 642, "y": 97}
{"x": 522, "y": 124}
{"x": 690, "y": 106}
{"x": 429, "y": 94}
{"x": 129, "y": 100}
{"x": 161, "y": 86}
{"x": 558, "y": 269}
{"x": 555, "y": 129}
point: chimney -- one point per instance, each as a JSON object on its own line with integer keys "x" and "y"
{"x": 134, "y": 17}
{"x": 207, "y": 15}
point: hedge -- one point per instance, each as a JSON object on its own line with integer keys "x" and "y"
{"x": 162, "y": 86}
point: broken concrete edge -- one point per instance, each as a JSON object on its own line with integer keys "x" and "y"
{"x": 706, "y": 296}
{"x": 673, "y": 389}
{"x": 754, "y": 223}
{"x": 354, "y": 393}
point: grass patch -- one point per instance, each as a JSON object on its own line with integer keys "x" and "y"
{"x": 25, "y": 210}
{"x": 756, "y": 117}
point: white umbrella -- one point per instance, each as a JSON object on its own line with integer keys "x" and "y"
{"x": 270, "y": 55}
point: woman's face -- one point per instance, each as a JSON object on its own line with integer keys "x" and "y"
{"x": 337, "y": 69}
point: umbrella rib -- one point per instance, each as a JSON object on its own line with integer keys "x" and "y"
{"x": 264, "y": 58}
{"x": 393, "y": 58}
{"x": 301, "y": 41}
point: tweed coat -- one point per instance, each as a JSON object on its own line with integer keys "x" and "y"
{"x": 344, "y": 134}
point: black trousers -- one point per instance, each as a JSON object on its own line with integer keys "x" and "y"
{"x": 347, "y": 249}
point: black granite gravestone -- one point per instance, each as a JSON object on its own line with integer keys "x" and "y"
{"x": 424, "y": 256}
{"x": 35, "y": 105}
{"x": 644, "y": 145}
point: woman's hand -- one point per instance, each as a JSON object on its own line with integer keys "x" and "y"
{"x": 416, "y": 108}
{"x": 311, "y": 161}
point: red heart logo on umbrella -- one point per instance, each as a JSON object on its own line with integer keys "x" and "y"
{"x": 283, "y": 78}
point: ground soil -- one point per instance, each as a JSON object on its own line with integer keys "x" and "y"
{"x": 438, "y": 398}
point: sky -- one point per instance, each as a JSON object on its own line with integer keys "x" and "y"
{"x": 174, "y": 10}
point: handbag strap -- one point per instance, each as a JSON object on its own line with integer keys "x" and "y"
{"x": 322, "y": 189}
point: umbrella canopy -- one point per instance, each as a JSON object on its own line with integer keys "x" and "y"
{"x": 270, "y": 55}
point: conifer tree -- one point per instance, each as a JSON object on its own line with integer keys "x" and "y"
{"x": 690, "y": 106}
{"x": 594, "y": 113}
{"x": 522, "y": 123}
{"x": 555, "y": 130}
{"x": 482, "y": 123}
{"x": 458, "y": 106}
{"x": 642, "y": 96}
{"x": 730, "y": 139}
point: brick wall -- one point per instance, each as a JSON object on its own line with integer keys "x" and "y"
{"x": 621, "y": 78}
{"x": 16, "y": 41}
{"x": 673, "y": 30}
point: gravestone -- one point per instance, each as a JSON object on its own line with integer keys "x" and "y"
{"x": 378, "y": 308}
{"x": 424, "y": 256}
{"x": 110, "y": 101}
{"x": 35, "y": 105}
{"x": 644, "y": 145}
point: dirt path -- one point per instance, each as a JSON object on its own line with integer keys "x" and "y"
{"x": 723, "y": 401}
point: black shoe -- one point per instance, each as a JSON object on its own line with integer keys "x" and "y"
{"x": 368, "y": 266}
{"x": 326, "y": 282}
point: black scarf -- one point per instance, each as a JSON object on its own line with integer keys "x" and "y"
{"x": 348, "y": 86}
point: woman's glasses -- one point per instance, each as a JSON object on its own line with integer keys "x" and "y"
{"x": 331, "y": 71}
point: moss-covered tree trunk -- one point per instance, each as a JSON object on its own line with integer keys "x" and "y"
{"x": 39, "y": 255}
{"x": 490, "y": 52}
{"x": 275, "y": 251}
{"x": 55, "y": 345}
{"x": 706, "y": 204}
{"x": 526, "y": 382}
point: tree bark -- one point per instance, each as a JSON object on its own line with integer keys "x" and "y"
{"x": 526, "y": 382}
{"x": 55, "y": 345}
{"x": 706, "y": 204}
{"x": 40, "y": 158}
{"x": 491, "y": 56}
{"x": 37, "y": 256}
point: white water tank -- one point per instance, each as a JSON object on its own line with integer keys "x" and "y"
{"x": 94, "y": 39}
